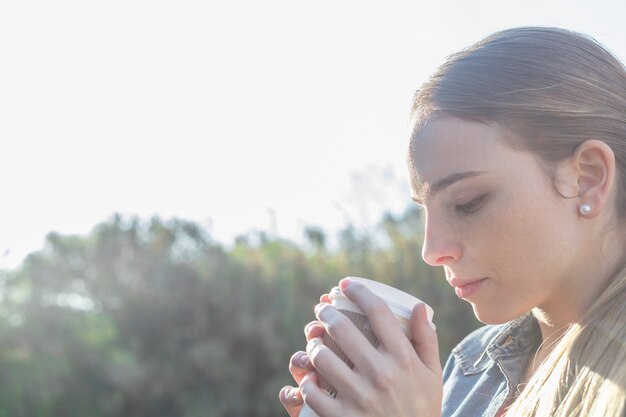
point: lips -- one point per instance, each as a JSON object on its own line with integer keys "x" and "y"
{"x": 464, "y": 287}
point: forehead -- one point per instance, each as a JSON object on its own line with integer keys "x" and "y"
{"x": 446, "y": 146}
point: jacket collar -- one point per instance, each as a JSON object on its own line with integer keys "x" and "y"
{"x": 492, "y": 343}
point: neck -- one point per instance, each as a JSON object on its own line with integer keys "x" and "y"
{"x": 550, "y": 335}
{"x": 551, "y": 329}
{"x": 567, "y": 307}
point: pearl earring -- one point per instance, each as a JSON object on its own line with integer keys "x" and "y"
{"x": 584, "y": 209}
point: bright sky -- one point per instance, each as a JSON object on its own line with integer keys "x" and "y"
{"x": 228, "y": 113}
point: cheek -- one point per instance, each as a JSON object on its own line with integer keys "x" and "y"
{"x": 514, "y": 241}
{"x": 525, "y": 245}
{"x": 510, "y": 240}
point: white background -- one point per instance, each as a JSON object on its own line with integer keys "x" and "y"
{"x": 240, "y": 115}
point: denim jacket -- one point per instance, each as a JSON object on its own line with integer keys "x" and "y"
{"x": 483, "y": 370}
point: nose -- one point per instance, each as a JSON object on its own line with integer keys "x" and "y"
{"x": 441, "y": 247}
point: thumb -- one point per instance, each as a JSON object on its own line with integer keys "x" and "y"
{"x": 424, "y": 338}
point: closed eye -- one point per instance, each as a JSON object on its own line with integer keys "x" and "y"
{"x": 472, "y": 206}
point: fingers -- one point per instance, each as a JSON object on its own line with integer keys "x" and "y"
{"x": 317, "y": 398}
{"x": 424, "y": 338}
{"x": 381, "y": 319}
{"x": 328, "y": 364}
{"x": 291, "y": 398}
{"x": 349, "y": 338}
{"x": 313, "y": 329}
{"x": 299, "y": 365}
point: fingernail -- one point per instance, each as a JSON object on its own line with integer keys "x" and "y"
{"x": 287, "y": 394}
{"x": 345, "y": 283}
{"x": 295, "y": 394}
{"x": 303, "y": 360}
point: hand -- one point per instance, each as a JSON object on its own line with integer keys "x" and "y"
{"x": 396, "y": 379}
{"x": 299, "y": 366}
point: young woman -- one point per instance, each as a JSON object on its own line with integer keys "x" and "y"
{"x": 518, "y": 158}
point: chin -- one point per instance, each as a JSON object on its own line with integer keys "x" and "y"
{"x": 493, "y": 316}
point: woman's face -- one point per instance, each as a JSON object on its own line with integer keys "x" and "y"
{"x": 494, "y": 221}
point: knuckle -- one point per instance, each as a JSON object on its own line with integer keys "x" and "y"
{"x": 384, "y": 378}
{"x": 359, "y": 291}
{"x": 377, "y": 307}
{"x": 364, "y": 399}
{"x": 314, "y": 348}
{"x": 406, "y": 356}
{"x": 429, "y": 340}
{"x": 338, "y": 324}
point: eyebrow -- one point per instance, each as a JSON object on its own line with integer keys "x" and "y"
{"x": 446, "y": 182}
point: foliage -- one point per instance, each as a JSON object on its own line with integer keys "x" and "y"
{"x": 157, "y": 319}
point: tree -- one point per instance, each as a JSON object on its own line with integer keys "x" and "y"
{"x": 156, "y": 319}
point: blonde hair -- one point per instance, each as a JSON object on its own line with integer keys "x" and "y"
{"x": 551, "y": 89}
{"x": 585, "y": 374}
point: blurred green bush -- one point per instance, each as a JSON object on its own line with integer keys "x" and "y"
{"x": 155, "y": 319}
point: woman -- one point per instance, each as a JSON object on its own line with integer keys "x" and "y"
{"x": 518, "y": 158}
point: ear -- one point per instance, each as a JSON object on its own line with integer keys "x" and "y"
{"x": 592, "y": 167}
